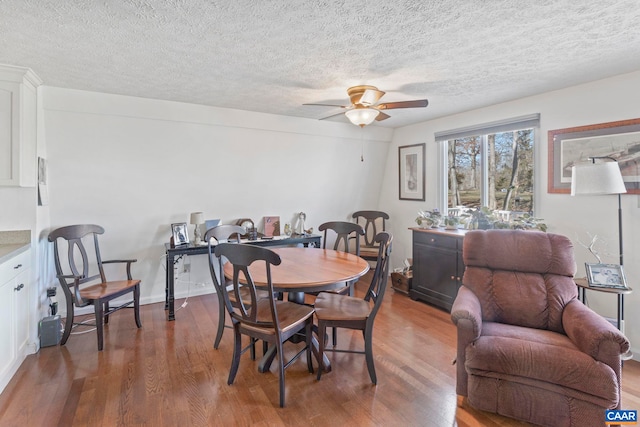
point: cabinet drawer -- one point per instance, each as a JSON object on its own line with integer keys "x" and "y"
{"x": 16, "y": 265}
{"x": 438, "y": 240}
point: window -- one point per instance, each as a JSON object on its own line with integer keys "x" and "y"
{"x": 490, "y": 165}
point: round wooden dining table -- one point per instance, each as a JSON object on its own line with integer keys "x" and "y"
{"x": 305, "y": 270}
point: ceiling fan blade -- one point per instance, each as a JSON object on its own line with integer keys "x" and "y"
{"x": 382, "y": 116}
{"x": 370, "y": 97}
{"x": 332, "y": 115}
{"x": 418, "y": 103}
{"x": 330, "y": 105}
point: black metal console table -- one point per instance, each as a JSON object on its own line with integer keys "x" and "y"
{"x": 190, "y": 249}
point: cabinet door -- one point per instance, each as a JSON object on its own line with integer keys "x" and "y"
{"x": 7, "y": 340}
{"x": 21, "y": 298}
{"x": 8, "y": 137}
{"x": 435, "y": 274}
{"x": 18, "y": 127}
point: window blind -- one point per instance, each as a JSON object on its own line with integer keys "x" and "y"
{"x": 505, "y": 125}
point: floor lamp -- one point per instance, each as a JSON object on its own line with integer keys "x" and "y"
{"x": 601, "y": 179}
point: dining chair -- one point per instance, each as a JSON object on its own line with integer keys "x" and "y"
{"x": 342, "y": 311}
{"x": 269, "y": 319}
{"x": 347, "y": 239}
{"x": 372, "y": 222}
{"x": 224, "y": 233}
{"x": 82, "y": 285}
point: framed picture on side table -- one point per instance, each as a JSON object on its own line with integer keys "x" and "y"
{"x": 411, "y": 172}
{"x": 606, "y": 276}
{"x": 179, "y": 233}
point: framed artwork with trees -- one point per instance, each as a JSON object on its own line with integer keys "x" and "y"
{"x": 619, "y": 140}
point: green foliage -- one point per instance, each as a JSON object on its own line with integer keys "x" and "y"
{"x": 485, "y": 218}
{"x": 429, "y": 218}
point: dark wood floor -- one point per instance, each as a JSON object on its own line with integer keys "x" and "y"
{"x": 168, "y": 374}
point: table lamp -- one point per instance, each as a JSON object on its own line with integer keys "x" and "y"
{"x": 197, "y": 218}
{"x": 601, "y": 179}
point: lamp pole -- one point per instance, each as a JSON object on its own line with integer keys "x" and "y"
{"x": 620, "y": 247}
{"x": 627, "y": 355}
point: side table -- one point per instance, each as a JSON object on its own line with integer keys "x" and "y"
{"x": 583, "y": 285}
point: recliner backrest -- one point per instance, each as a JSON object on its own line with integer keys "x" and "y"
{"x": 522, "y": 278}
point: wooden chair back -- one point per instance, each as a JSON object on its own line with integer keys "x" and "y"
{"x": 345, "y": 232}
{"x": 219, "y": 233}
{"x": 246, "y": 311}
{"x": 379, "y": 281}
{"x": 372, "y": 222}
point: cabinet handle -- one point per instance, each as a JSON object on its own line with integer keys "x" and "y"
{"x": 20, "y": 286}
{"x": 17, "y": 266}
{"x": 452, "y": 278}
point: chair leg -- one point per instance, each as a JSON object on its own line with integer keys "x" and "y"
{"x": 68, "y": 324}
{"x": 368, "y": 352}
{"x": 136, "y": 305}
{"x": 281, "y": 372}
{"x": 322, "y": 330}
{"x": 221, "y": 320}
{"x": 106, "y": 312}
{"x": 335, "y": 336}
{"x": 237, "y": 350}
{"x": 309, "y": 337}
{"x": 98, "y": 307}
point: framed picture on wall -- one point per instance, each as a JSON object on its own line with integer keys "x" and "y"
{"x": 568, "y": 147}
{"x": 179, "y": 233}
{"x": 411, "y": 173}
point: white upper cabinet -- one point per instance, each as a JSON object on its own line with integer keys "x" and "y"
{"x": 18, "y": 101}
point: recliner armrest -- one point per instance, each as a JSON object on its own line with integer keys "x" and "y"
{"x": 467, "y": 307}
{"x": 592, "y": 333}
{"x": 466, "y": 314}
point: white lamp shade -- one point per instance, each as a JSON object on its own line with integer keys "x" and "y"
{"x": 197, "y": 218}
{"x": 597, "y": 178}
{"x": 362, "y": 116}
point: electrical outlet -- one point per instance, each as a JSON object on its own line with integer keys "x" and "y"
{"x": 51, "y": 292}
{"x": 186, "y": 268}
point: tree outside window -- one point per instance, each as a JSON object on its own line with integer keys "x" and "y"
{"x": 492, "y": 170}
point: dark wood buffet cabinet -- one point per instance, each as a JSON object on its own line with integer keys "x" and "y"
{"x": 437, "y": 265}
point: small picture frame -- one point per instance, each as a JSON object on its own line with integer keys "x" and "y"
{"x": 606, "y": 276}
{"x": 180, "y": 233}
{"x": 411, "y": 172}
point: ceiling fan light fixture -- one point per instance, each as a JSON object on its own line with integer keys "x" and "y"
{"x": 362, "y": 116}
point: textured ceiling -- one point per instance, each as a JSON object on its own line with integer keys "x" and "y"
{"x": 274, "y": 55}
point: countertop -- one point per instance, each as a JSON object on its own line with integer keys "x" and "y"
{"x": 13, "y": 243}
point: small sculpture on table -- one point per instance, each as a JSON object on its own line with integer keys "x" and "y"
{"x": 301, "y": 218}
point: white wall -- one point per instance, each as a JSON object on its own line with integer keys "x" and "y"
{"x": 602, "y": 101}
{"x": 136, "y": 165}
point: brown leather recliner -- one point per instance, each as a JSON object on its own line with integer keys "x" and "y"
{"x": 527, "y": 347}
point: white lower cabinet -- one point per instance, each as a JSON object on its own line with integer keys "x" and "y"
{"x": 14, "y": 316}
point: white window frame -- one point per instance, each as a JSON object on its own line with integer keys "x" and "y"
{"x": 484, "y": 129}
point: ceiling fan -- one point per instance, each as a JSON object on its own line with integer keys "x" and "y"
{"x": 364, "y": 110}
